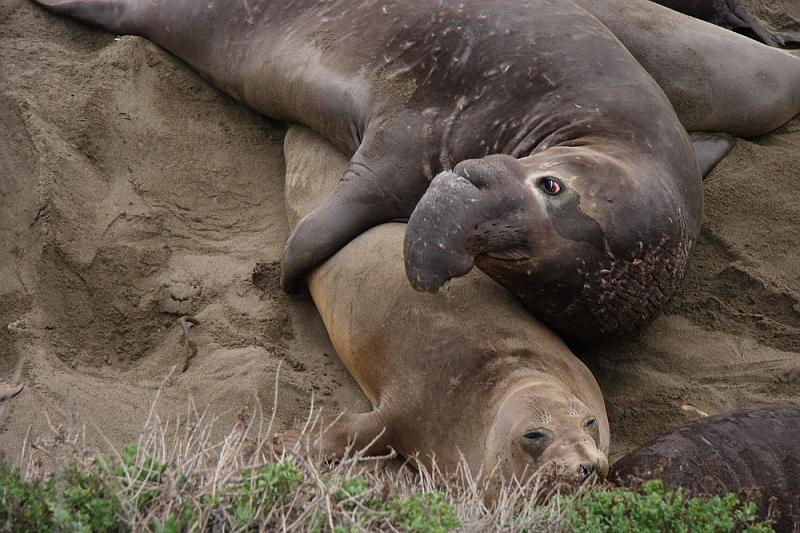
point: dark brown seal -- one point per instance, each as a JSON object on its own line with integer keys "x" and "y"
{"x": 563, "y": 171}
{"x": 464, "y": 374}
{"x": 754, "y": 453}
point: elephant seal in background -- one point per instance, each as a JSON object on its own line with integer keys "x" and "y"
{"x": 468, "y": 372}
{"x": 753, "y": 452}
{"x": 718, "y": 81}
{"x": 731, "y": 14}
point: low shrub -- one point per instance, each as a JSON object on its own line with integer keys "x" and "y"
{"x": 176, "y": 479}
{"x": 656, "y": 509}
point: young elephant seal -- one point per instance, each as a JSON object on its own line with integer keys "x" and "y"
{"x": 753, "y": 452}
{"x": 467, "y": 372}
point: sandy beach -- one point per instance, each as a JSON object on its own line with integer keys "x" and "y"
{"x": 132, "y": 193}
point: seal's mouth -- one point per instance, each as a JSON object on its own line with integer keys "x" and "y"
{"x": 565, "y": 474}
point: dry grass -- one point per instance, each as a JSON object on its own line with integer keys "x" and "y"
{"x": 180, "y": 477}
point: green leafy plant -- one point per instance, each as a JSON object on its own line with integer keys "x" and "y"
{"x": 73, "y": 501}
{"x": 423, "y": 513}
{"x": 656, "y": 509}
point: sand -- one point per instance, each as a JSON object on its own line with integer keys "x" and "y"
{"x": 132, "y": 193}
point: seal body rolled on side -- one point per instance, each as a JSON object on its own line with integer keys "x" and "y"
{"x": 561, "y": 169}
{"x": 754, "y": 453}
{"x": 465, "y": 373}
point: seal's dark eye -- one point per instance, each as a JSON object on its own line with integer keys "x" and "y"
{"x": 534, "y": 435}
{"x": 551, "y": 186}
{"x": 590, "y": 424}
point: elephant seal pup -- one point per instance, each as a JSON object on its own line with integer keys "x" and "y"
{"x": 733, "y": 15}
{"x": 468, "y": 372}
{"x": 564, "y": 170}
{"x": 752, "y": 452}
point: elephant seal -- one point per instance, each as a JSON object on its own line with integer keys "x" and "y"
{"x": 467, "y": 373}
{"x": 561, "y": 168}
{"x": 717, "y": 80}
{"x": 753, "y": 452}
{"x": 733, "y": 15}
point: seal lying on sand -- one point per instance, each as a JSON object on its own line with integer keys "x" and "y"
{"x": 752, "y": 452}
{"x": 716, "y": 80}
{"x": 588, "y": 217}
{"x": 468, "y": 372}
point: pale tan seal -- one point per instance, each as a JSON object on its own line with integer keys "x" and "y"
{"x": 466, "y": 372}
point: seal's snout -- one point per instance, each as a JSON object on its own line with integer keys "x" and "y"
{"x": 491, "y": 171}
{"x": 441, "y": 241}
{"x": 437, "y": 235}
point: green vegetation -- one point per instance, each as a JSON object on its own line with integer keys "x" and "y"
{"x": 96, "y": 501}
{"x": 182, "y": 481}
{"x": 76, "y": 501}
{"x": 71, "y": 501}
{"x": 656, "y": 509}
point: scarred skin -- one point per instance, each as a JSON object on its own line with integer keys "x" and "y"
{"x": 444, "y": 381}
{"x": 506, "y": 94}
{"x": 754, "y": 453}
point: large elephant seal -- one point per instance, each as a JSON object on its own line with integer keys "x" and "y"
{"x": 467, "y": 373}
{"x": 563, "y": 171}
{"x": 753, "y": 452}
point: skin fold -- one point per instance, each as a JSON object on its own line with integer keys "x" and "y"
{"x": 466, "y": 373}
{"x": 537, "y": 140}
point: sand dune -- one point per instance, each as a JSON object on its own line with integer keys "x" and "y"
{"x": 132, "y": 193}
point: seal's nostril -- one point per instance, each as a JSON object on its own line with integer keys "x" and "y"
{"x": 585, "y": 471}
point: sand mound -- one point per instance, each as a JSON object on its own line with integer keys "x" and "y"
{"x": 132, "y": 193}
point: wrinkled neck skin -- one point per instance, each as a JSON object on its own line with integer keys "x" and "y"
{"x": 602, "y": 257}
{"x": 606, "y": 255}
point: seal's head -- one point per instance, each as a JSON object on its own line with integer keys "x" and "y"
{"x": 592, "y": 241}
{"x": 543, "y": 428}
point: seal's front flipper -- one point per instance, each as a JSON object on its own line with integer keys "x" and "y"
{"x": 116, "y": 16}
{"x": 349, "y": 433}
{"x": 362, "y": 199}
{"x": 710, "y": 150}
{"x": 739, "y": 17}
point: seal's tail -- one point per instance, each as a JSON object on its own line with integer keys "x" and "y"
{"x": 115, "y": 16}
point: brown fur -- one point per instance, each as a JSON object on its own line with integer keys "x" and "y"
{"x": 463, "y": 373}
